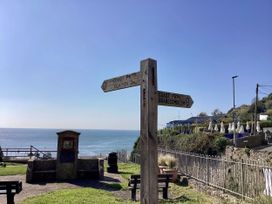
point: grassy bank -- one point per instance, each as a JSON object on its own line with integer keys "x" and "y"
{"x": 13, "y": 169}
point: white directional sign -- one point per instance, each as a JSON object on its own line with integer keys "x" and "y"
{"x": 122, "y": 82}
{"x": 174, "y": 99}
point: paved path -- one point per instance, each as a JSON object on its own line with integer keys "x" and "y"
{"x": 30, "y": 190}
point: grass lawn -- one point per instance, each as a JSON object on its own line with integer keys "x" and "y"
{"x": 183, "y": 195}
{"x": 126, "y": 170}
{"x": 79, "y": 196}
{"x": 13, "y": 169}
{"x": 188, "y": 195}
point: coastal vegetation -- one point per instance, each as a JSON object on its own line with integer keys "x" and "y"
{"x": 245, "y": 112}
{"x": 199, "y": 140}
{"x": 202, "y": 143}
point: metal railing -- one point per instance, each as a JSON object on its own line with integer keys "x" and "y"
{"x": 25, "y": 152}
{"x": 244, "y": 178}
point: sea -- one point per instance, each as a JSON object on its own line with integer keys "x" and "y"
{"x": 91, "y": 142}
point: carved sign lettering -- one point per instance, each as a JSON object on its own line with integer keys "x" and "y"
{"x": 122, "y": 82}
{"x": 174, "y": 99}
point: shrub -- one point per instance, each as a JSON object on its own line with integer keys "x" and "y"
{"x": 170, "y": 161}
{"x": 202, "y": 143}
{"x": 220, "y": 144}
{"x": 161, "y": 160}
{"x": 267, "y": 123}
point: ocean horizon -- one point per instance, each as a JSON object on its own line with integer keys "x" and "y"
{"x": 91, "y": 141}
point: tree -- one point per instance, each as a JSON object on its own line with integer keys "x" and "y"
{"x": 260, "y": 107}
{"x": 201, "y": 114}
{"x": 217, "y": 112}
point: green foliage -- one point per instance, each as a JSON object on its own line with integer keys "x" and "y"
{"x": 269, "y": 112}
{"x": 220, "y": 144}
{"x": 244, "y": 112}
{"x": 268, "y": 105}
{"x": 260, "y": 107}
{"x": 267, "y": 123}
{"x": 202, "y": 143}
{"x": 136, "y": 147}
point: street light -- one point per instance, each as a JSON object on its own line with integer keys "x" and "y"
{"x": 234, "y": 114}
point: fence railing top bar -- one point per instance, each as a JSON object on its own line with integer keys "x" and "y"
{"x": 247, "y": 162}
{"x": 14, "y": 148}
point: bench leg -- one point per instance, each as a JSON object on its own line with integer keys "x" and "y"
{"x": 165, "y": 193}
{"x": 133, "y": 194}
{"x": 10, "y": 196}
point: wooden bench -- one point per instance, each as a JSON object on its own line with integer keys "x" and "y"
{"x": 10, "y": 188}
{"x": 163, "y": 183}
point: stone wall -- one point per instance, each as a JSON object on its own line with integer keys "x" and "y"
{"x": 40, "y": 170}
{"x": 237, "y": 154}
{"x": 45, "y": 170}
{"x": 251, "y": 141}
{"x": 90, "y": 168}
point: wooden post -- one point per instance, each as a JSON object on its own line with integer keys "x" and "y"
{"x": 150, "y": 99}
{"x": 149, "y": 153}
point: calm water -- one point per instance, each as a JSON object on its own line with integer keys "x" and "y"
{"x": 91, "y": 142}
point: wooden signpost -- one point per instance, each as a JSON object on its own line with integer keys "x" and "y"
{"x": 150, "y": 99}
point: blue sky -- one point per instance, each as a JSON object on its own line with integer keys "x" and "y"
{"x": 54, "y": 56}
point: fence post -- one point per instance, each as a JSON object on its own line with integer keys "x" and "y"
{"x": 186, "y": 160}
{"x": 207, "y": 169}
{"x": 242, "y": 178}
{"x": 224, "y": 171}
{"x": 30, "y": 154}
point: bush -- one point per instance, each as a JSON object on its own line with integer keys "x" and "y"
{"x": 167, "y": 160}
{"x": 170, "y": 161}
{"x": 220, "y": 144}
{"x": 202, "y": 143}
{"x": 161, "y": 160}
{"x": 267, "y": 123}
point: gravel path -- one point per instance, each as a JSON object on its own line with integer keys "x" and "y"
{"x": 30, "y": 190}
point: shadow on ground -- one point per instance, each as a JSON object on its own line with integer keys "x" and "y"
{"x": 107, "y": 183}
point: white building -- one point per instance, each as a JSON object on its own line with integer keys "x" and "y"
{"x": 263, "y": 117}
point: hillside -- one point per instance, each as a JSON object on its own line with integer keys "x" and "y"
{"x": 245, "y": 112}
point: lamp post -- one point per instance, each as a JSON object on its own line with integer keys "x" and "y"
{"x": 234, "y": 113}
